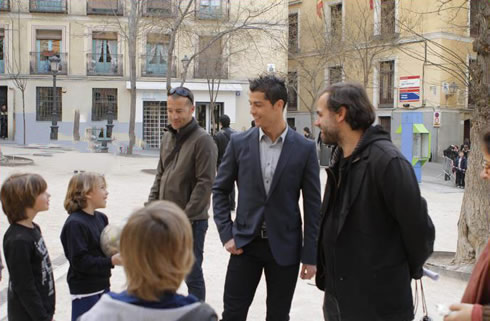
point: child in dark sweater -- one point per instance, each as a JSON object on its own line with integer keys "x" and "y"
{"x": 31, "y": 293}
{"x": 90, "y": 270}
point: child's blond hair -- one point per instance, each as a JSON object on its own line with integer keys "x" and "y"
{"x": 80, "y": 185}
{"x": 156, "y": 249}
{"x": 19, "y": 192}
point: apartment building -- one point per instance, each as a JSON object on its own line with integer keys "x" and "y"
{"x": 92, "y": 81}
{"x": 409, "y": 55}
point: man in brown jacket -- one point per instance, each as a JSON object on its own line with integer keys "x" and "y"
{"x": 185, "y": 174}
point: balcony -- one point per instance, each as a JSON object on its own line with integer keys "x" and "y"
{"x": 151, "y": 68}
{"x": 4, "y": 5}
{"x": 47, "y": 6}
{"x": 111, "y": 66}
{"x": 105, "y": 7}
{"x": 211, "y": 68}
{"x": 40, "y": 64}
{"x": 159, "y": 8}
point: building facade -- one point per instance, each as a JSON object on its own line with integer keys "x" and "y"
{"x": 412, "y": 56}
{"x": 93, "y": 79}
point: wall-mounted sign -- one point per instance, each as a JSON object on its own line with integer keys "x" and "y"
{"x": 409, "y": 89}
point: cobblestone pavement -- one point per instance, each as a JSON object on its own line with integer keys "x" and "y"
{"x": 128, "y": 189}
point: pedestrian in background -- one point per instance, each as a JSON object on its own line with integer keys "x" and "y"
{"x": 222, "y": 138}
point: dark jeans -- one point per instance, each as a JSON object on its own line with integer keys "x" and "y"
{"x": 80, "y": 306}
{"x": 195, "y": 279}
{"x": 243, "y": 276}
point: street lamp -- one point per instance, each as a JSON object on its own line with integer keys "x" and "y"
{"x": 54, "y": 62}
{"x": 185, "y": 63}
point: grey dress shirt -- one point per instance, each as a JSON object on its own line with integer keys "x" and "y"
{"x": 269, "y": 156}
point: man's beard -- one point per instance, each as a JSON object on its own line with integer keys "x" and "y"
{"x": 330, "y": 137}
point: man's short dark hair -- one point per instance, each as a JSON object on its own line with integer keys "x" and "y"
{"x": 274, "y": 88}
{"x": 352, "y": 96}
{"x": 224, "y": 120}
{"x": 486, "y": 140}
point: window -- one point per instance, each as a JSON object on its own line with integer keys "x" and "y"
{"x": 104, "y": 59}
{"x": 104, "y": 7}
{"x": 159, "y": 7}
{"x": 292, "y": 91}
{"x": 103, "y": 101}
{"x": 293, "y": 33}
{"x": 334, "y": 74}
{"x": 156, "y": 55}
{"x": 44, "y": 103}
{"x": 54, "y": 6}
{"x": 210, "y": 9}
{"x": 385, "y": 122}
{"x": 48, "y": 43}
{"x": 386, "y": 83}
{"x": 387, "y": 17}
{"x": 210, "y": 62}
{"x": 471, "y": 95}
{"x": 474, "y": 25}
{"x": 336, "y": 22}
{"x": 4, "y": 5}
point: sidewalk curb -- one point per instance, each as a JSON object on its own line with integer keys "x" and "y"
{"x": 439, "y": 262}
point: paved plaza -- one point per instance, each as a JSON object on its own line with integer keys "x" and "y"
{"x": 128, "y": 188}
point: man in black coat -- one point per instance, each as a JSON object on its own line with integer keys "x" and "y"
{"x": 222, "y": 138}
{"x": 375, "y": 233}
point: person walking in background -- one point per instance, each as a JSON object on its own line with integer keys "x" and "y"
{"x": 475, "y": 304}
{"x": 307, "y": 133}
{"x": 460, "y": 166}
{"x": 222, "y": 139}
{"x": 185, "y": 175}
{"x": 375, "y": 233}
{"x": 31, "y": 289}
{"x": 268, "y": 235}
{"x": 157, "y": 248}
{"x": 90, "y": 269}
{"x": 3, "y": 122}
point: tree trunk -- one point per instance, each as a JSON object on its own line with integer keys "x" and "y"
{"x": 76, "y": 126}
{"x": 132, "y": 44}
{"x": 474, "y": 222}
{"x": 24, "y": 115}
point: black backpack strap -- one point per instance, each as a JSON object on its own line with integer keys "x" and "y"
{"x": 204, "y": 312}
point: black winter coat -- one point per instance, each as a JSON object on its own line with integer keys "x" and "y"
{"x": 379, "y": 235}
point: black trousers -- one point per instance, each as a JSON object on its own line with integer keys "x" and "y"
{"x": 460, "y": 176}
{"x": 243, "y": 276}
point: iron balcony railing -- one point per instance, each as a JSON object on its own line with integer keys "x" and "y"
{"x": 51, "y": 6}
{"x": 104, "y": 65}
{"x": 155, "y": 66}
{"x": 4, "y": 5}
{"x": 105, "y": 7}
{"x": 39, "y": 62}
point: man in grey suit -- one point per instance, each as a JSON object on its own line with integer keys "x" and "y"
{"x": 271, "y": 164}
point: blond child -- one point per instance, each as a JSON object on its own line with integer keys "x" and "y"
{"x": 90, "y": 270}
{"x": 31, "y": 292}
{"x": 156, "y": 247}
